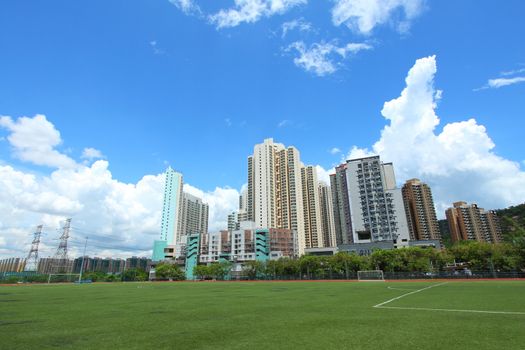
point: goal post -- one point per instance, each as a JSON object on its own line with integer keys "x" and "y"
{"x": 371, "y": 276}
{"x": 62, "y": 277}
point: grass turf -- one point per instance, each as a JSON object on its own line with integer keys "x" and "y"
{"x": 259, "y": 315}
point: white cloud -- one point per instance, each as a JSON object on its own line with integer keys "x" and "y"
{"x": 121, "y": 219}
{"x": 364, "y": 15}
{"x": 186, "y": 6}
{"x": 34, "y": 140}
{"x": 323, "y": 175}
{"x": 499, "y": 82}
{"x": 335, "y": 150}
{"x": 91, "y": 153}
{"x": 156, "y": 49}
{"x": 283, "y": 123}
{"x": 459, "y": 163}
{"x": 512, "y": 72}
{"x": 251, "y": 11}
{"x": 299, "y": 24}
{"x": 222, "y": 201}
{"x": 323, "y": 58}
{"x": 506, "y": 78}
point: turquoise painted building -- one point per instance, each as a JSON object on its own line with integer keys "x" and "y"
{"x": 192, "y": 255}
{"x": 158, "y": 250}
{"x": 262, "y": 245}
{"x": 170, "y": 213}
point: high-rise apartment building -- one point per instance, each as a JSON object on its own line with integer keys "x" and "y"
{"x": 327, "y": 215}
{"x": 420, "y": 211}
{"x": 182, "y": 214}
{"x": 376, "y": 205}
{"x": 233, "y": 221}
{"x": 194, "y": 216}
{"x": 314, "y": 237}
{"x": 172, "y": 206}
{"x": 171, "y": 212}
{"x": 283, "y": 194}
{"x": 469, "y": 222}
{"x": 341, "y": 206}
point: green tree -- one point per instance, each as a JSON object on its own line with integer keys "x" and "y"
{"x": 218, "y": 270}
{"x": 134, "y": 275}
{"x": 167, "y": 271}
{"x": 476, "y": 254}
{"x": 254, "y": 269}
{"x": 344, "y": 263}
{"x": 202, "y": 272}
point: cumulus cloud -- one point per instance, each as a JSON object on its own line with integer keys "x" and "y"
{"x": 111, "y": 213}
{"x": 323, "y": 58}
{"x": 459, "y": 162}
{"x": 120, "y": 219}
{"x": 296, "y": 24}
{"x": 323, "y": 175}
{"x": 363, "y": 16}
{"x": 91, "y": 153}
{"x": 34, "y": 140}
{"x": 250, "y": 11}
{"x": 335, "y": 150}
{"x": 222, "y": 201}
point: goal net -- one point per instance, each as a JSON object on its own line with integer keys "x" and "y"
{"x": 372, "y": 275}
{"x": 63, "y": 277}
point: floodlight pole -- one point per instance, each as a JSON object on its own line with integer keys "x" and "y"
{"x": 82, "y": 265}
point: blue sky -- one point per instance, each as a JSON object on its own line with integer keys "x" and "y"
{"x": 152, "y": 82}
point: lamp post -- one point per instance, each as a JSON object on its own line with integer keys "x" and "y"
{"x": 82, "y": 265}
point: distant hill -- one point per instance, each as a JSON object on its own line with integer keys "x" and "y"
{"x": 512, "y": 220}
{"x": 445, "y": 232}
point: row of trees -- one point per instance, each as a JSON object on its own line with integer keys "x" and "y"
{"x": 476, "y": 256}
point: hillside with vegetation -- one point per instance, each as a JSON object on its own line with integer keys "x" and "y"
{"x": 512, "y": 221}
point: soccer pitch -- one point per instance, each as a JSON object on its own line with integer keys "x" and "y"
{"x": 265, "y": 315}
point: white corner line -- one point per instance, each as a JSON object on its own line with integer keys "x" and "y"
{"x": 407, "y": 294}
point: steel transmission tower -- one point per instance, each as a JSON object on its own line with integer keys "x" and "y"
{"x": 32, "y": 257}
{"x": 60, "y": 259}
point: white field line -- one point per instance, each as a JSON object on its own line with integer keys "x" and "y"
{"x": 453, "y": 310}
{"x": 403, "y": 289}
{"x": 382, "y": 305}
{"x": 410, "y": 293}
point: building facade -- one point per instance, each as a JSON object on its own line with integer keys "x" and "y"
{"x": 12, "y": 265}
{"x": 182, "y": 214}
{"x": 171, "y": 212}
{"x": 239, "y": 246}
{"x": 341, "y": 206}
{"x": 420, "y": 211}
{"x": 314, "y": 237}
{"x": 194, "y": 216}
{"x": 327, "y": 215}
{"x": 469, "y": 222}
{"x": 106, "y": 265}
{"x": 376, "y": 205}
{"x": 275, "y": 190}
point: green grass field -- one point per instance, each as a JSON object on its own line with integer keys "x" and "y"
{"x": 260, "y": 315}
